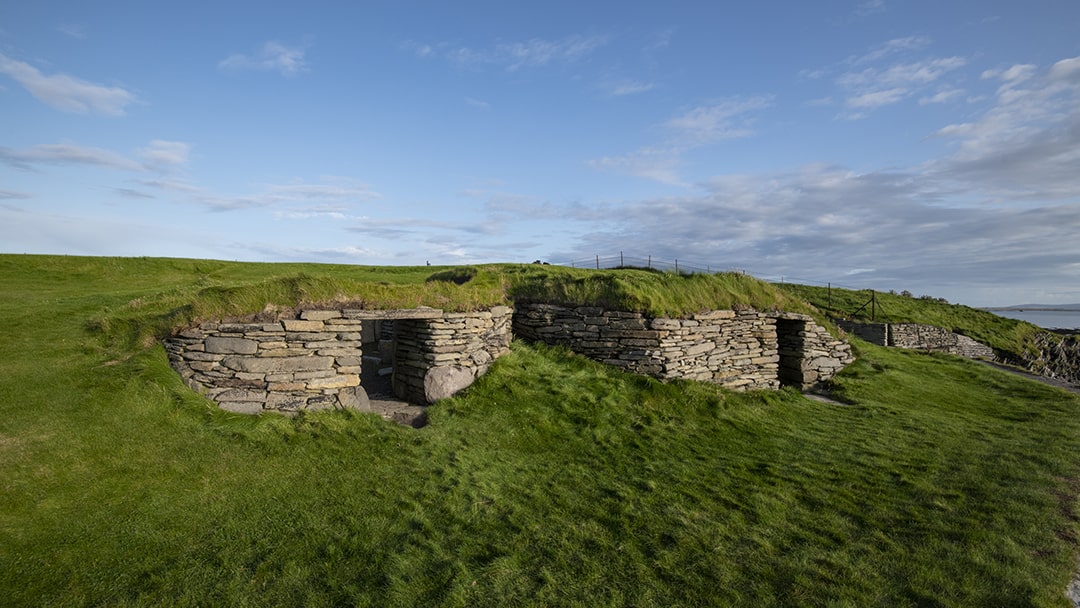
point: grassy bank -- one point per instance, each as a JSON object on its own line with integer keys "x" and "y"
{"x": 1009, "y": 335}
{"x": 552, "y": 481}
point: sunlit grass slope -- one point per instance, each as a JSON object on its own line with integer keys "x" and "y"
{"x": 552, "y": 481}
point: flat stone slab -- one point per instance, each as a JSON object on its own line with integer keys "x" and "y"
{"x": 401, "y": 313}
{"x": 266, "y": 365}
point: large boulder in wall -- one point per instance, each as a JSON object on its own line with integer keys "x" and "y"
{"x": 443, "y": 382}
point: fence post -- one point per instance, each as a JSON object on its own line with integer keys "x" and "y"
{"x": 676, "y": 265}
{"x": 650, "y": 262}
{"x": 598, "y": 262}
{"x": 621, "y": 261}
{"x": 829, "y": 306}
{"x": 873, "y": 305}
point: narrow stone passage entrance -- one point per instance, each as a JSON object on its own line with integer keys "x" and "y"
{"x": 377, "y": 376}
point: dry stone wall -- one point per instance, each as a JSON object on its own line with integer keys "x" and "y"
{"x": 314, "y": 360}
{"x": 438, "y": 357}
{"x": 918, "y": 336}
{"x": 809, "y": 354}
{"x": 738, "y": 350}
{"x": 929, "y": 337}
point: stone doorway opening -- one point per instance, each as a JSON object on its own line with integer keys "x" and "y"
{"x": 791, "y": 343}
{"x": 377, "y": 365}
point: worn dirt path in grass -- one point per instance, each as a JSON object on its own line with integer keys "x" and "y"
{"x": 1072, "y": 388}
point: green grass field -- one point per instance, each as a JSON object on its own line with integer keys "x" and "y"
{"x": 552, "y": 481}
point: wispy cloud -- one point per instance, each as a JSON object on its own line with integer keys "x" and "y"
{"x": 332, "y": 195}
{"x": 337, "y": 212}
{"x": 73, "y": 30}
{"x": 628, "y": 87}
{"x": 945, "y": 95}
{"x": 695, "y": 127}
{"x": 162, "y": 153}
{"x": 476, "y": 103}
{"x": 874, "y": 87}
{"x": 67, "y": 154}
{"x": 891, "y": 47}
{"x": 273, "y": 57}
{"x": 657, "y": 164}
{"x": 513, "y": 56}
{"x": 890, "y": 73}
{"x": 157, "y": 156}
{"x": 869, "y": 7}
{"x": 131, "y": 193}
{"x": 7, "y": 195}
{"x": 726, "y": 119}
{"x": 67, "y": 93}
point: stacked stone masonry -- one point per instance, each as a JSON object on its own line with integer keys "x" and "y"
{"x": 738, "y": 350}
{"x": 314, "y": 360}
{"x": 918, "y": 336}
{"x": 435, "y": 358}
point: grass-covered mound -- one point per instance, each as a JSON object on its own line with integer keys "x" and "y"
{"x": 551, "y": 481}
{"x": 180, "y": 292}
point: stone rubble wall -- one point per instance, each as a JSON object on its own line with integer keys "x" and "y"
{"x": 738, "y": 350}
{"x": 809, "y": 354}
{"x": 918, "y": 336}
{"x": 436, "y": 358}
{"x": 929, "y": 337}
{"x": 313, "y": 360}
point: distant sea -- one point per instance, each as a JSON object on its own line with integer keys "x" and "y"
{"x": 1050, "y": 319}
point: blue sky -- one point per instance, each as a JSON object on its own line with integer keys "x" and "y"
{"x": 926, "y": 146}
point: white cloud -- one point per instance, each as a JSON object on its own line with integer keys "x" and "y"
{"x": 12, "y": 195}
{"x": 1002, "y": 209}
{"x": 67, "y": 93}
{"x": 1066, "y": 70}
{"x": 274, "y": 56}
{"x": 1015, "y": 74}
{"x": 1027, "y": 146}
